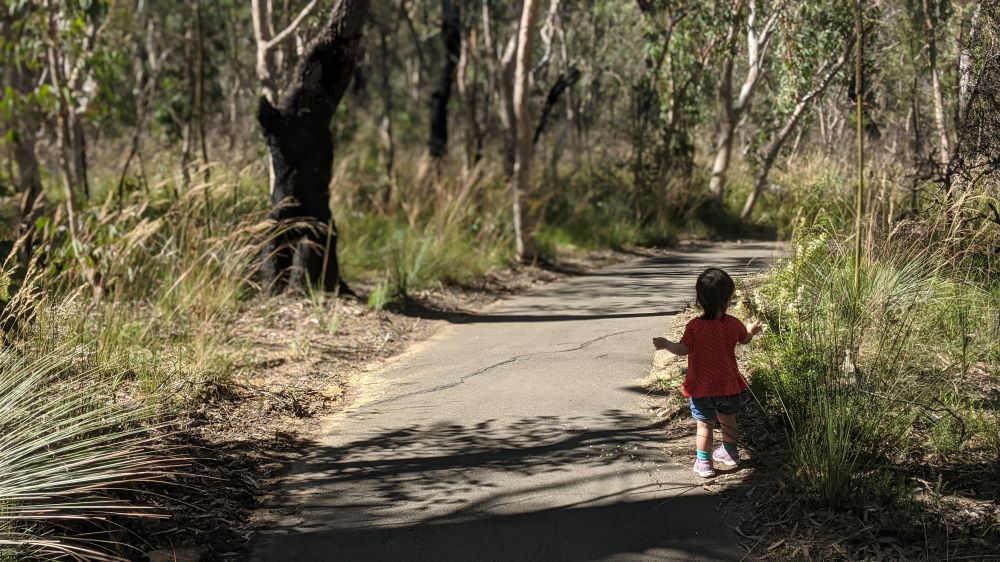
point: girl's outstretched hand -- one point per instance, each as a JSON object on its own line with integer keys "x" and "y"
{"x": 755, "y": 328}
{"x": 676, "y": 348}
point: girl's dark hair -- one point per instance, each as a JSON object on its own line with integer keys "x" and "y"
{"x": 714, "y": 288}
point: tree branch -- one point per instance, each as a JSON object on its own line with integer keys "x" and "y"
{"x": 287, "y": 32}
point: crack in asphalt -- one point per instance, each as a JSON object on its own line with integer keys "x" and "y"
{"x": 508, "y": 361}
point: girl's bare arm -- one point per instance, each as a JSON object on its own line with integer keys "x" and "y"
{"x": 752, "y": 330}
{"x": 676, "y": 348}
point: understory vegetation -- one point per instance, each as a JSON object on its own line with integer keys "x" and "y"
{"x": 886, "y": 384}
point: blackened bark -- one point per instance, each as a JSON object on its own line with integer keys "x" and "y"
{"x": 80, "y": 155}
{"x": 301, "y": 149}
{"x": 24, "y": 139}
{"x": 563, "y": 82}
{"x": 451, "y": 34}
{"x": 29, "y": 182}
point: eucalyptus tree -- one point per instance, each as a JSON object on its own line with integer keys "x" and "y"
{"x": 682, "y": 40}
{"x": 300, "y": 144}
{"x": 21, "y": 113}
{"x": 757, "y": 21}
{"x": 816, "y": 41}
{"x": 521, "y": 183}
{"x": 49, "y": 53}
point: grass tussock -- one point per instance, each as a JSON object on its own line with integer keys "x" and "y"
{"x": 67, "y": 455}
{"x": 870, "y": 377}
{"x": 107, "y": 328}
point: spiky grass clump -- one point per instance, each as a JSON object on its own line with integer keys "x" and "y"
{"x": 68, "y": 455}
{"x": 854, "y": 371}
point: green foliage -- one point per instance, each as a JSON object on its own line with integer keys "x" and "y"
{"x": 598, "y": 208}
{"x": 838, "y": 370}
{"x": 412, "y": 258}
{"x": 441, "y": 231}
{"x": 379, "y": 296}
{"x": 853, "y": 373}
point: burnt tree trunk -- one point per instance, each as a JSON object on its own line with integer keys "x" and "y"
{"x": 23, "y": 136}
{"x": 563, "y": 82}
{"x": 451, "y": 34}
{"x": 300, "y": 144}
{"x": 29, "y": 181}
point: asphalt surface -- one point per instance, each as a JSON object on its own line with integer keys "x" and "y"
{"x": 517, "y": 435}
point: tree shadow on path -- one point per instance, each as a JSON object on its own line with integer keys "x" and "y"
{"x": 538, "y": 488}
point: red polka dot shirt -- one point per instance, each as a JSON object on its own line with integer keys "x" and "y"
{"x": 712, "y": 369}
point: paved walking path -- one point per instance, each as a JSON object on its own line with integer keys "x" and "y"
{"x": 518, "y": 435}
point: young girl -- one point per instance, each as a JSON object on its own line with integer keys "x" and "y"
{"x": 713, "y": 381}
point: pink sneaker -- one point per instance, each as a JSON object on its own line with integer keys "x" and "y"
{"x": 720, "y": 454}
{"x": 703, "y": 468}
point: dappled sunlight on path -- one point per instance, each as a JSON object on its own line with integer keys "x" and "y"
{"x": 516, "y": 435}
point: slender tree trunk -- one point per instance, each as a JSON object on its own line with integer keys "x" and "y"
{"x": 63, "y": 127}
{"x": 467, "y": 99}
{"x": 301, "y": 152}
{"x": 192, "y": 99}
{"x": 726, "y": 123}
{"x": 965, "y": 61}
{"x": 774, "y": 146}
{"x": 200, "y": 87}
{"x": 917, "y": 148}
{"x": 508, "y": 118}
{"x": 521, "y": 185}
{"x": 859, "y": 145}
{"x": 930, "y": 21}
{"x": 723, "y": 154}
{"x": 562, "y": 83}
{"x": 385, "y": 129}
{"x": 141, "y": 89}
{"x": 79, "y": 148}
{"x": 451, "y": 35}
{"x": 234, "y": 90}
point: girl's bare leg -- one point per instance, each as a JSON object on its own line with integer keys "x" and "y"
{"x": 703, "y": 441}
{"x": 730, "y": 431}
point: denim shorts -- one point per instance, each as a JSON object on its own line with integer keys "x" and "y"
{"x": 704, "y": 409}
